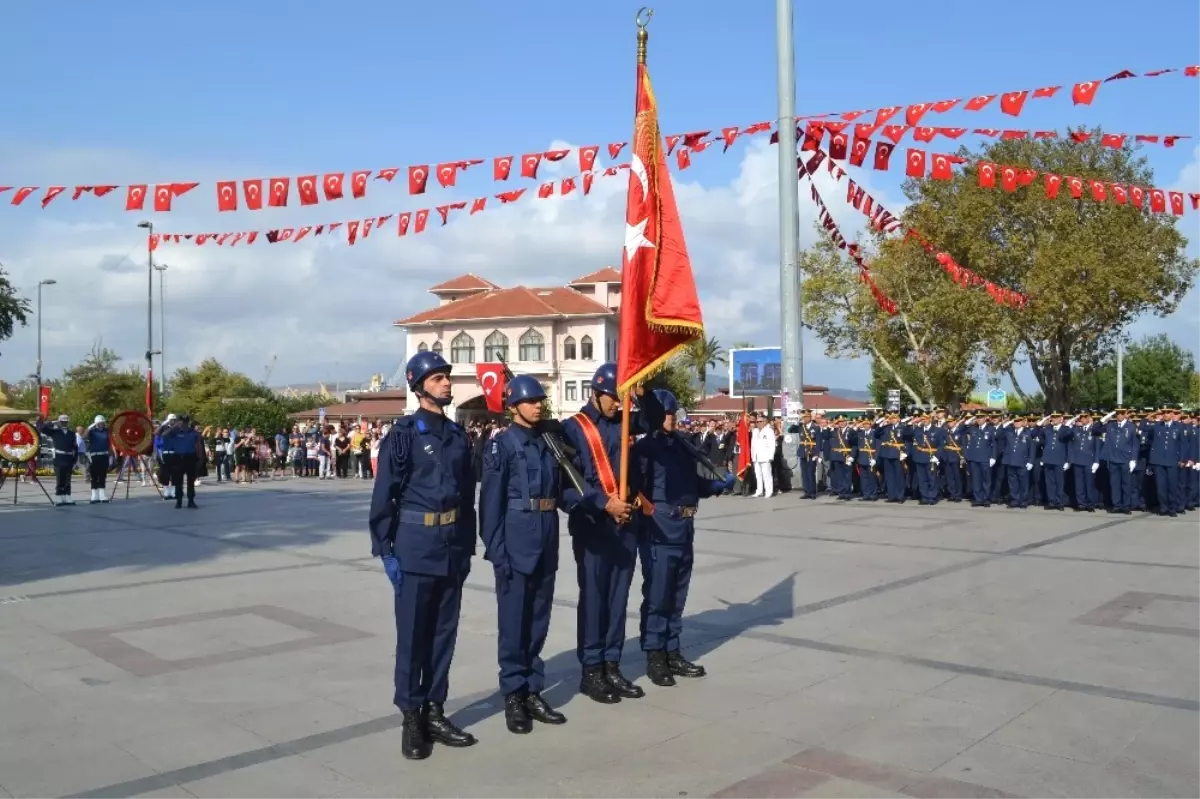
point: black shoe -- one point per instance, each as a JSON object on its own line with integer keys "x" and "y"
{"x": 657, "y": 669}
{"x": 624, "y": 688}
{"x": 414, "y": 737}
{"x": 539, "y": 709}
{"x": 444, "y": 731}
{"x": 682, "y": 667}
{"x": 192, "y": 504}
{"x": 595, "y": 687}
{"x": 178, "y": 505}
{"x": 516, "y": 718}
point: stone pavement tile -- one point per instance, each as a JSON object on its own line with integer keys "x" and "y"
{"x": 4, "y": 792}
{"x": 902, "y": 676}
{"x": 838, "y": 788}
{"x": 796, "y": 670}
{"x": 64, "y": 765}
{"x": 780, "y": 782}
{"x": 1026, "y": 773}
{"x": 706, "y": 698}
{"x": 1167, "y": 748}
{"x": 170, "y": 792}
{"x": 299, "y": 719}
{"x": 289, "y": 777}
{"x": 1092, "y": 729}
{"x": 821, "y": 711}
{"x": 986, "y": 692}
{"x": 896, "y": 780}
{"x": 187, "y": 746}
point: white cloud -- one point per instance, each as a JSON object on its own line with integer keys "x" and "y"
{"x": 325, "y": 309}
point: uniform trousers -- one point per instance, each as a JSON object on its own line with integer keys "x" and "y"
{"x": 954, "y": 479}
{"x": 867, "y": 483}
{"x": 765, "y": 478}
{"x": 1036, "y": 494}
{"x": 927, "y": 481}
{"x": 842, "y": 481}
{"x": 1137, "y": 487}
{"x": 808, "y": 475}
{"x": 666, "y": 576}
{"x": 427, "y": 611}
{"x": 64, "y": 465}
{"x": 98, "y": 469}
{"x": 604, "y": 561}
{"x": 1055, "y": 495}
{"x": 893, "y": 478}
{"x": 981, "y": 482}
{"x": 1119, "y": 486}
{"x": 1166, "y": 487}
{"x": 1085, "y": 486}
{"x": 183, "y": 466}
{"x": 523, "y": 604}
{"x": 1018, "y": 485}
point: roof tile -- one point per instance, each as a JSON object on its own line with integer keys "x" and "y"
{"x": 514, "y": 303}
{"x": 467, "y": 282}
{"x": 605, "y": 275}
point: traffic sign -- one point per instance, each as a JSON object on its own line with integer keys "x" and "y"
{"x": 997, "y": 398}
{"x": 893, "y": 399}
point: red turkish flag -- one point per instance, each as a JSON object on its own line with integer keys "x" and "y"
{"x": 253, "y": 191}
{"x": 729, "y": 135}
{"x": 1011, "y": 103}
{"x": 307, "y": 186}
{"x": 556, "y": 155}
{"x": 883, "y": 152}
{"x": 418, "y": 176}
{"x": 422, "y": 218}
{"x": 588, "y": 177}
{"x": 447, "y": 174}
{"x": 1192, "y": 70}
{"x": 1053, "y": 181}
{"x": 333, "y": 185}
{"x": 491, "y": 380}
{"x": 402, "y": 223}
{"x": 615, "y": 148}
{"x": 529, "y": 165}
{"x": 51, "y": 193}
{"x": 743, "y": 445}
{"x": 358, "y": 184}
{"x": 478, "y": 204}
{"x": 915, "y": 163}
{"x": 1045, "y": 134}
{"x": 1010, "y": 135}
{"x": 501, "y": 167}
{"x": 1118, "y": 193}
{"x": 858, "y": 153}
{"x": 1135, "y": 196}
{"x": 837, "y": 146}
{"x": 509, "y": 196}
{"x": 895, "y": 132}
{"x": 1084, "y": 93}
{"x": 976, "y": 103}
{"x": 1099, "y": 193}
{"x": 924, "y": 134}
{"x": 1026, "y": 176}
{"x": 1076, "y": 187}
{"x": 942, "y": 106}
{"x": 660, "y": 306}
{"x": 352, "y": 232}
{"x": 1195, "y": 198}
{"x": 135, "y": 197}
{"x": 387, "y": 174}
{"x": 813, "y": 133}
{"x": 1113, "y": 140}
{"x": 683, "y": 157}
{"x": 882, "y": 115}
{"x": 941, "y": 168}
{"x": 1008, "y": 178}
{"x": 1158, "y": 201}
{"x": 546, "y": 190}
{"x": 1046, "y": 91}
{"x": 587, "y": 157}
{"x": 277, "y": 191}
{"x": 913, "y": 114}
{"x": 162, "y": 197}
{"x": 987, "y": 175}
{"x": 227, "y": 195}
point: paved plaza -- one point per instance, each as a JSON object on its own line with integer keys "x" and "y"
{"x": 245, "y": 649}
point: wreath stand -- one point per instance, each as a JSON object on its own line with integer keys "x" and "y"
{"x": 29, "y": 458}
{"x": 129, "y": 463}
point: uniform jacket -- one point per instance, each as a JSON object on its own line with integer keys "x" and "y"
{"x": 1054, "y": 444}
{"x": 518, "y": 501}
{"x": 762, "y": 444}
{"x": 1119, "y": 442}
{"x": 1166, "y": 444}
{"x": 671, "y": 483}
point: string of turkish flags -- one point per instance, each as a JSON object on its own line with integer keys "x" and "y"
{"x": 884, "y": 221}
{"x": 309, "y": 188}
{"x": 835, "y": 234}
{"x": 414, "y": 221}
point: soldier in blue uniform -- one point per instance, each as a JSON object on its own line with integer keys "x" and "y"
{"x": 1083, "y": 453}
{"x": 892, "y": 453}
{"x": 1018, "y": 462}
{"x": 980, "y": 452}
{"x": 186, "y": 446}
{"x": 674, "y": 487}
{"x": 423, "y": 525}
{"x": 1054, "y": 460}
{"x": 1119, "y": 450}
{"x": 1190, "y": 477}
{"x": 66, "y": 452}
{"x": 604, "y": 533}
{"x": 1139, "y": 481}
{"x": 925, "y": 441}
{"x": 865, "y": 452}
{"x": 839, "y": 454}
{"x": 1166, "y": 454}
{"x": 518, "y": 522}
{"x": 808, "y": 453}
{"x": 952, "y": 459}
{"x": 96, "y": 439}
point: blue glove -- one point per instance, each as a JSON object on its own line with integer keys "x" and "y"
{"x": 503, "y": 571}
{"x": 392, "y": 566}
{"x": 730, "y": 480}
{"x": 716, "y": 486}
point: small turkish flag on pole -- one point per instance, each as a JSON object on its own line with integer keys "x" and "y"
{"x": 491, "y": 380}
{"x": 743, "y": 443}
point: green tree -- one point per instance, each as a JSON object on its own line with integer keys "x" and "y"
{"x": 1156, "y": 371}
{"x": 214, "y": 395}
{"x": 97, "y": 385}
{"x": 701, "y": 355}
{"x": 14, "y": 310}
{"x": 676, "y": 378}
{"x": 1193, "y": 397}
{"x": 1089, "y": 268}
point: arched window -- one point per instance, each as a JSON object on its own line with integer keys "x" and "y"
{"x": 422, "y": 347}
{"x": 585, "y": 348}
{"x": 532, "y": 346}
{"x": 569, "y": 348}
{"x": 437, "y": 347}
{"x": 462, "y": 349}
{"x": 495, "y": 347}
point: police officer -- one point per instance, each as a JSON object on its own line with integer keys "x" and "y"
{"x": 604, "y": 533}
{"x": 423, "y": 528}
{"x": 66, "y": 452}
{"x": 671, "y": 482}
{"x": 186, "y": 446}
{"x": 166, "y": 458}
{"x": 518, "y": 522}
{"x": 97, "y": 441}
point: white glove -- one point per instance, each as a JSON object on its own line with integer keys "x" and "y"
{"x": 1066, "y": 467}
{"x": 1196, "y": 467}
{"x": 933, "y": 459}
{"x": 1070, "y": 422}
{"x": 1108, "y": 416}
{"x": 991, "y": 462}
{"x": 872, "y": 463}
{"x": 1095, "y": 467}
{"x": 1041, "y": 463}
{"x": 1132, "y": 465}
{"x": 849, "y": 460}
{"x": 903, "y": 456}
{"x": 1029, "y": 467}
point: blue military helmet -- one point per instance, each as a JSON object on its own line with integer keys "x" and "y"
{"x": 523, "y": 388}
{"x": 667, "y": 399}
{"x": 605, "y": 380}
{"x": 421, "y": 366}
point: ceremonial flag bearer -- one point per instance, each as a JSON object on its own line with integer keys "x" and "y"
{"x": 518, "y": 522}
{"x": 423, "y": 528}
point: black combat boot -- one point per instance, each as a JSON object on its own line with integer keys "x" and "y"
{"x": 516, "y": 718}
{"x": 595, "y": 687}
{"x": 623, "y": 687}
{"x": 540, "y": 709}
{"x": 192, "y": 504}
{"x": 657, "y": 669}
{"x": 414, "y": 738}
{"x": 682, "y": 667}
{"x": 444, "y": 731}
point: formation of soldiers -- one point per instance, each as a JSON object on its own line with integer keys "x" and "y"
{"x": 424, "y": 522}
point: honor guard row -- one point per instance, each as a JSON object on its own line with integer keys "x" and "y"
{"x": 423, "y": 523}
{"x": 1122, "y": 460}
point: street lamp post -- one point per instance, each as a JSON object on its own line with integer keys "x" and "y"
{"x": 47, "y": 282}
{"x": 149, "y": 228}
{"x": 162, "y": 328}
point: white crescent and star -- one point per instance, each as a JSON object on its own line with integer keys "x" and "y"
{"x": 505, "y": 163}
{"x": 447, "y": 171}
{"x": 226, "y": 191}
{"x": 531, "y": 160}
{"x": 915, "y": 159}
{"x": 252, "y": 189}
{"x": 418, "y": 174}
{"x": 135, "y": 192}
{"x": 487, "y": 387}
{"x": 164, "y": 193}
{"x": 306, "y": 185}
{"x": 278, "y": 188}
{"x": 360, "y": 180}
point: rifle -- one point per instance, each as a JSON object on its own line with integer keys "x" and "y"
{"x": 554, "y": 443}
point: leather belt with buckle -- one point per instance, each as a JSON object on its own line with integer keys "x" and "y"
{"x": 429, "y": 519}
{"x": 542, "y": 505}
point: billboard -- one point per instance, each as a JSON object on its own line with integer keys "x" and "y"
{"x": 755, "y": 372}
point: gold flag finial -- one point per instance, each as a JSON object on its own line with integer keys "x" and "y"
{"x": 642, "y": 19}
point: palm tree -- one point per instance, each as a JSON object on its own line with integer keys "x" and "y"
{"x": 700, "y": 355}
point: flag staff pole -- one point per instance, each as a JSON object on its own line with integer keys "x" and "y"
{"x": 641, "y": 20}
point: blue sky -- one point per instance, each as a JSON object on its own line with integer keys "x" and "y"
{"x": 148, "y": 92}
